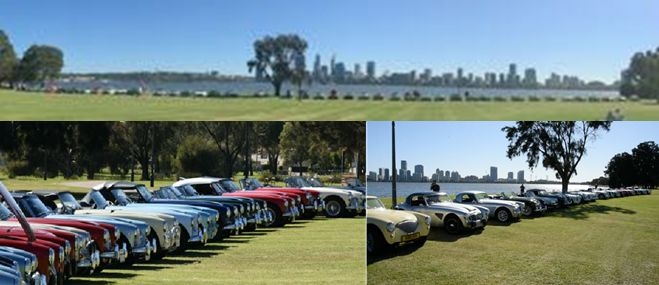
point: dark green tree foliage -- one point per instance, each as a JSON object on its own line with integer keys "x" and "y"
{"x": 621, "y": 171}
{"x": 267, "y": 138}
{"x": 228, "y": 138}
{"x": 646, "y": 162}
{"x": 557, "y": 145}
{"x": 94, "y": 141}
{"x": 642, "y": 76}
{"x": 40, "y": 63}
{"x": 279, "y": 59}
{"x": 197, "y": 156}
{"x": 295, "y": 143}
{"x": 7, "y": 59}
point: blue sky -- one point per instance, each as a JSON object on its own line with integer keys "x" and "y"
{"x": 589, "y": 38}
{"x": 472, "y": 147}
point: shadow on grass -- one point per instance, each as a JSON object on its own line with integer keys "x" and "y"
{"x": 214, "y": 246}
{"x": 398, "y": 251}
{"x": 74, "y": 281}
{"x": 175, "y": 260}
{"x": 105, "y": 274}
{"x": 148, "y": 267}
{"x": 253, "y": 234}
{"x": 581, "y": 212}
{"x": 201, "y": 254}
{"x": 443, "y": 236}
{"x": 289, "y": 226}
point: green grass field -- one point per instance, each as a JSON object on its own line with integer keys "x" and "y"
{"x": 606, "y": 242}
{"x": 38, "y": 106}
{"x": 318, "y": 251}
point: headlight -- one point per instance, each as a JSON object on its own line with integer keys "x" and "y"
{"x": 61, "y": 254}
{"x": 309, "y": 196}
{"x": 217, "y": 216}
{"x": 299, "y": 199}
{"x": 51, "y": 256}
{"x": 286, "y": 204}
{"x": 147, "y": 231}
{"x": 235, "y": 211}
{"x": 106, "y": 235}
{"x": 242, "y": 209}
{"x": 391, "y": 227}
{"x": 117, "y": 234}
{"x": 258, "y": 206}
{"x": 199, "y": 219}
{"x": 28, "y": 266}
{"x": 427, "y": 218}
{"x": 228, "y": 212}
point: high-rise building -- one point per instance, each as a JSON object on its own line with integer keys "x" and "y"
{"x": 530, "y": 78}
{"x": 460, "y": 78}
{"x": 403, "y": 164}
{"x": 401, "y": 175}
{"x": 332, "y": 67}
{"x": 358, "y": 71}
{"x": 511, "y": 176}
{"x": 370, "y": 69}
{"x": 418, "y": 172}
{"x": 513, "y": 78}
{"x": 380, "y": 174}
{"x": 372, "y": 176}
{"x": 317, "y": 72}
{"x": 520, "y": 176}
{"x": 493, "y": 174}
{"x": 386, "y": 174}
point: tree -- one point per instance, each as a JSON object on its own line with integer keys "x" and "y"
{"x": 646, "y": 164}
{"x": 295, "y": 143}
{"x": 40, "y": 63}
{"x": 228, "y": 137}
{"x": 559, "y": 145}
{"x": 275, "y": 59}
{"x": 7, "y": 58}
{"x": 93, "y": 141}
{"x": 267, "y": 137}
{"x": 642, "y": 76}
{"x": 621, "y": 171}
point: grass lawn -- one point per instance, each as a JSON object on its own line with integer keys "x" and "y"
{"x": 39, "y": 106}
{"x": 612, "y": 241}
{"x": 318, "y": 251}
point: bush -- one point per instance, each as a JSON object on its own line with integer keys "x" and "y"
{"x": 333, "y": 97}
{"x": 378, "y": 97}
{"x": 348, "y": 97}
{"x": 594, "y": 99}
{"x": 500, "y": 99}
{"x": 455, "y": 97}
{"x": 214, "y": 94}
{"x": 606, "y": 99}
{"x": 440, "y": 98}
{"x": 550, "y": 99}
{"x": 318, "y": 97}
{"x": 185, "y": 94}
{"x": 579, "y": 99}
{"x": 133, "y": 92}
{"x": 19, "y": 168}
{"x": 517, "y": 99}
{"x": 394, "y": 98}
{"x": 363, "y": 98}
{"x": 426, "y": 99}
{"x": 534, "y": 99}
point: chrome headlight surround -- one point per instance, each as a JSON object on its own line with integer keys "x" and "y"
{"x": 67, "y": 247}
{"x": 427, "y": 218}
{"x": 390, "y": 227}
{"x": 61, "y": 254}
{"x": 286, "y": 203}
{"x": 228, "y": 212}
{"x": 51, "y": 256}
{"x": 242, "y": 209}
{"x": 106, "y": 235}
{"x": 117, "y": 234}
{"x": 235, "y": 211}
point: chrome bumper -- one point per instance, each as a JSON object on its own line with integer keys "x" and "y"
{"x": 93, "y": 261}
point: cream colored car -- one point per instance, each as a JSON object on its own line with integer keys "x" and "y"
{"x": 388, "y": 228}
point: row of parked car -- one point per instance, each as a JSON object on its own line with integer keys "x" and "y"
{"x": 411, "y": 221}
{"x": 48, "y": 236}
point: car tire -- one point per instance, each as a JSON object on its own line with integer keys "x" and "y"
{"x": 335, "y": 208}
{"x": 528, "y": 210}
{"x": 160, "y": 253}
{"x": 250, "y": 227}
{"x": 375, "y": 243}
{"x": 308, "y": 215}
{"x": 185, "y": 236}
{"x": 453, "y": 225}
{"x": 277, "y": 218}
{"x": 420, "y": 242}
{"x": 503, "y": 215}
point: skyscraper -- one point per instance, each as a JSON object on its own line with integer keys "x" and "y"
{"x": 380, "y": 174}
{"x": 511, "y": 176}
{"x": 513, "y": 78}
{"x": 386, "y": 174}
{"x": 403, "y": 164}
{"x": 418, "y": 172}
{"x": 493, "y": 174}
{"x": 317, "y": 72}
{"x": 530, "y": 77}
{"x": 520, "y": 176}
{"x": 370, "y": 69}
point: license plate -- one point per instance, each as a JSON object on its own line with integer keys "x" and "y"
{"x": 410, "y": 237}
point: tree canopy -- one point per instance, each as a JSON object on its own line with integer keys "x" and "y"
{"x": 7, "y": 58}
{"x": 40, "y": 63}
{"x": 557, "y": 145}
{"x": 642, "y": 76}
{"x": 279, "y": 59}
{"x": 640, "y": 168}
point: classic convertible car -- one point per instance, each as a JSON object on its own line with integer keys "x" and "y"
{"x": 338, "y": 202}
{"x": 532, "y": 206}
{"x": 386, "y": 228}
{"x": 503, "y": 211}
{"x": 443, "y": 212}
{"x": 563, "y": 201}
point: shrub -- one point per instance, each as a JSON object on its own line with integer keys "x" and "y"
{"x": 133, "y": 92}
{"x": 534, "y": 99}
{"x": 348, "y": 97}
{"x": 318, "y": 97}
{"x": 594, "y": 99}
{"x": 363, "y": 98}
{"x": 606, "y": 99}
{"x": 426, "y": 99}
{"x": 500, "y": 99}
{"x": 550, "y": 99}
{"x": 378, "y": 97}
{"x": 19, "y": 168}
{"x": 394, "y": 98}
{"x": 517, "y": 99}
{"x": 579, "y": 99}
{"x": 440, "y": 98}
{"x": 455, "y": 97}
{"x": 214, "y": 94}
{"x": 185, "y": 94}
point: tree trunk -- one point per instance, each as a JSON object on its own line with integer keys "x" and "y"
{"x": 277, "y": 86}
{"x": 272, "y": 163}
{"x": 564, "y": 182}
{"x": 145, "y": 169}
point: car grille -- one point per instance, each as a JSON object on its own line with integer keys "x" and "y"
{"x": 407, "y": 226}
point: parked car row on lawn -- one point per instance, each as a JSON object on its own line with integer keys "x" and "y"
{"x": 410, "y": 221}
{"x": 48, "y": 236}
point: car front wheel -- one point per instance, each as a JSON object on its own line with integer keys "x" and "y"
{"x": 453, "y": 225}
{"x": 334, "y": 208}
{"x": 528, "y": 210}
{"x": 503, "y": 215}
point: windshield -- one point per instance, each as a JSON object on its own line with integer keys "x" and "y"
{"x": 251, "y": 183}
{"x": 175, "y": 192}
{"x": 480, "y": 196}
{"x": 229, "y": 186}
{"x": 98, "y": 199}
{"x": 68, "y": 200}
{"x": 437, "y": 198}
{"x": 188, "y": 190}
{"x": 315, "y": 182}
{"x": 297, "y": 182}
{"x": 145, "y": 193}
{"x": 542, "y": 192}
{"x": 4, "y": 212}
{"x": 37, "y": 207}
{"x": 120, "y": 197}
{"x": 374, "y": 204}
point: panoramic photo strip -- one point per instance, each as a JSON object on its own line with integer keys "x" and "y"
{"x": 527, "y": 202}
{"x": 329, "y": 60}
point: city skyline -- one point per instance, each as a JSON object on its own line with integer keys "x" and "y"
{"x": 383, "y": 174}
{"x": 442, "y": 35}
{"x": 472, "y": 148}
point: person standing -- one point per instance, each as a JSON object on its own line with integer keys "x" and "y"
{"x": 521, "y": 189}
{"x": 434, "y": 186}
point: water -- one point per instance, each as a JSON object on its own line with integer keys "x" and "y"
{"x": 249, "y": 87}
{"x": 383, "y": 189}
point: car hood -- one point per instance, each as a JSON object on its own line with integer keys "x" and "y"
{"x": 497, "y": 202}
{"x": 330, "y": 190}
{"x": 453, "y": 206}
{"x": 394, "y": 216}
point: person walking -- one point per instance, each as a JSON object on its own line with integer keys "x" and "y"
{"x": 434, "y": 186}
{"x": 521, "y": 189}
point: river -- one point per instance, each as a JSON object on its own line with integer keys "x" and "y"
{"x": 383, "y": 189}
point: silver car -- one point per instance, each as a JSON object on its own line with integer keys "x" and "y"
{"x": 444, "y": 213}
{"x": 503, "y": 211}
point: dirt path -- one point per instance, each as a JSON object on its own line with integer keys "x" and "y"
{"x": 83, "y": 184}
